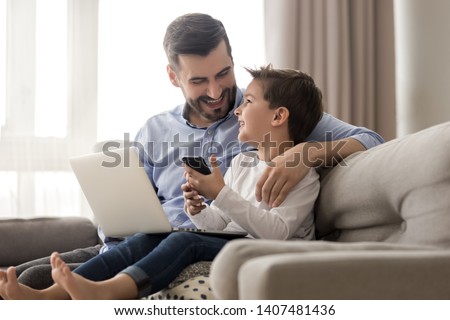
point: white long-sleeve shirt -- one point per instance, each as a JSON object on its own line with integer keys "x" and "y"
{"x": 237, "y": 209}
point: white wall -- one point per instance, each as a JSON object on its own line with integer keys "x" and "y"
{"x": 422, "y": 39}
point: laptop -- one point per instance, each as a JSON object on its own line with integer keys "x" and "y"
{"x": 122, "y": 197}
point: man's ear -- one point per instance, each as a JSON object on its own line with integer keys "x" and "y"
{"x": 172, "y": 76}
{"x": 280, "y": 116}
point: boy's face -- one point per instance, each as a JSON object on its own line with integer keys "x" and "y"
{"x": 254, "y": 115}
{"x": 208, "y": 84}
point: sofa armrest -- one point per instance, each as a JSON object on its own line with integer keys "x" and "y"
{"x": 22, "y": 240}
{"x": 225, "y": 267}
{"x": 347, "y": 275}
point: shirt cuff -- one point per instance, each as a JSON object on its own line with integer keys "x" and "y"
{"x": 221, "y": 199}
{"x": 367, "y": 140}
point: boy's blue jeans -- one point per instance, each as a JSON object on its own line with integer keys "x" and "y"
{"x": 152, "y": 260}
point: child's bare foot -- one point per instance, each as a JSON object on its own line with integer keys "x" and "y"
{"x": 78, "y": 287}
{"x": 3, "y": 280}
{"x": 10, "y": 288}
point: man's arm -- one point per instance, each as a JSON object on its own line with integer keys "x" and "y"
{"x": 331, "y": 141}
{"x": 327, "y": 153}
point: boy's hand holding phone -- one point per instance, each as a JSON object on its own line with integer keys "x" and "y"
{"x": 197, "y": 163}
{"x": 207, "y": 185}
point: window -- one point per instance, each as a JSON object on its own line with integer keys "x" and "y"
{"x": 133, "y": 83}
{"x": 2, "y": 63}
{"x": 78, "y": 72}
{"x": 51, "y": 69}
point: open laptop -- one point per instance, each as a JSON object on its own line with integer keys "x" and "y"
{"x": 122, "y": 197}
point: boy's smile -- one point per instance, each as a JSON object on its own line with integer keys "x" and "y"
{"x": 254, "y": 115}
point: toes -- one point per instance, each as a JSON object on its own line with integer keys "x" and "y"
{"x": 54, "y": 259}
{"x": 3, "y": 281}
{"x": 11, "y": 274}
{"x": 2, "y": 276}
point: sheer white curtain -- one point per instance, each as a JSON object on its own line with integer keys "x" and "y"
{"x": 43, "y": 122}
{"x": 80, "y": 71}
{"x": 347, "y": 46}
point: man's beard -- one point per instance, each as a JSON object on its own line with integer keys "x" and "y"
{"x": 216, "y": 114}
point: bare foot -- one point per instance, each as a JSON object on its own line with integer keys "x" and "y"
{"x": 11, "y": 289}
{"x": 78, "y": 287}
{"x": 3, "y": 280}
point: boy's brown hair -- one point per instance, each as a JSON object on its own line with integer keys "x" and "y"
{"x": 296, "y": 91}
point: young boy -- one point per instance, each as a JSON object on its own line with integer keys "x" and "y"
{"x": 280, "y": 109}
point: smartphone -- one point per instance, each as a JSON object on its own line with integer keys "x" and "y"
{"x": 197, "y": 163}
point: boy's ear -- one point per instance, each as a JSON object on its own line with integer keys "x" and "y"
{"x": 280, "y": 116}
{"x": 172, "y": 76}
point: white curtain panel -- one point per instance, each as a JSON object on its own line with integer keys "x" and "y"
{"x": 35, "y": 177}
{"x": 347, "y": 47}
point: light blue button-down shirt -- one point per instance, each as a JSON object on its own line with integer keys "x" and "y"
{"x": 167, "y": 137}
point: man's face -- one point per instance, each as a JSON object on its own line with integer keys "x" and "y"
{"x": 208, "y": 84}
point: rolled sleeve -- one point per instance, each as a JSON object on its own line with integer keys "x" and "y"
{"x": 330, "y": 128}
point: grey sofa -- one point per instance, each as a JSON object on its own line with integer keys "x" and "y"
{"x": 383, "y": 224}
{"x": 23, "y": 240}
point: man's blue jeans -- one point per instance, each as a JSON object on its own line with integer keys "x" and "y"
{"x": 152, "y": 260}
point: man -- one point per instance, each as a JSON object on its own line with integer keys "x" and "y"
{"x": 201, "y": 65}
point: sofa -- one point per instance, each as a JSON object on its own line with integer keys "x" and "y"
{"x": 382, "y": 228}
{"x": 382, "y": 224}
{"x": 26, "y": 239}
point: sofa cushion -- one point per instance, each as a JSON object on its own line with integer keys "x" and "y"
{"x": 191, "y": 284}
{"x": 196, "y": 288}
{"x": 396, "y": 192}
{"x": 22, "y": 240}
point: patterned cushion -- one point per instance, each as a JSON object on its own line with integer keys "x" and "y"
{"x": 191, "y": 284}
{"x": 196, "y": 288}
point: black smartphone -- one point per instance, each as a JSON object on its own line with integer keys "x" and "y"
{"x": 197, "y": 163}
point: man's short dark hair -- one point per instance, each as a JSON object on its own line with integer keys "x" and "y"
{"x": 296, "y": 91}
{"x": 193, "y": 33}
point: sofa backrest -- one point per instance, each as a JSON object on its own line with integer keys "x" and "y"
{"x": 397, "y": 192}
{"x": 22, "y": 240}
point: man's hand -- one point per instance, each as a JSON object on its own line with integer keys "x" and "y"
{"x": 291, "y": 167}
{"x": 278, "y": 179}
{"x": 209, "y": 185}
